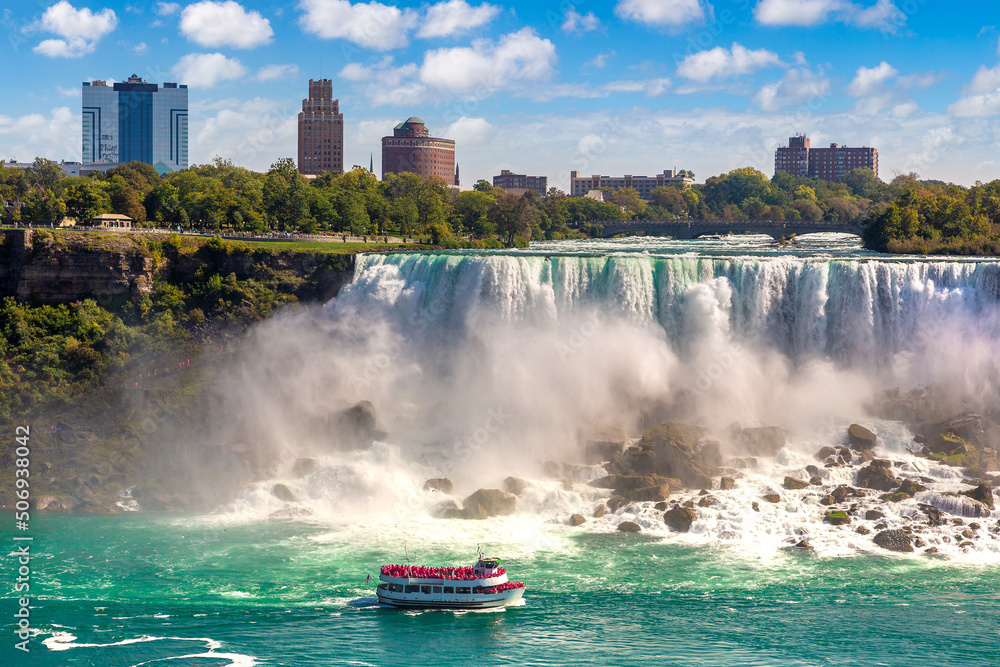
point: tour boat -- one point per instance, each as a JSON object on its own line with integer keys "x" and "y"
{"x": 481, "y": 586}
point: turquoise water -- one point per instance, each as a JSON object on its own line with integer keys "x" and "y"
{"x": 284, "y": 593}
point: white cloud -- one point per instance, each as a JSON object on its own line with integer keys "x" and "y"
{"x": 167, "y": 8}
{"x": 455, "y": 16}
{"x": 68, "y": 92}
{"x": 79, "y": 29}
{"x": 651, "y": 87}
{"x": 519, "y": 56}
{"x": 272, "y": 72}
{"x": 981, "y": 96}
{"x": 798, "y": 86}
{"x": 577, "y": 22}
{"x": 253, "y": 133}
{"x": 722, "y": 63}
{"x": 140, "y": 48}
{"x": 669, "y": 13}
{"x": 469, "y": 131}
{"x": 883, "y": 15}
{"x": 56, "y": 136}
{"x": 371, "y": 25}
{"x": 228, "y": 23}
{"x": 386, "y": 84}
{"x": 204, "y": 70}
{"x": 600, "y": 61}
{"x": 870, "y": 80}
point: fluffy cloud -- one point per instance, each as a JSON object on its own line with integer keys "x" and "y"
{"x": 371, "y": 25}
{"x": 56, "y": 136}
{"x": 519, "y": 56}
{"x": 79, "y": 30}
{"x": 384, "y": 83}
{"x": 981, "y": 96}
{"x": 167, "y": 8}
{"x": 797, "y": 87}
{"x": 254, "y": 133}
{"x": 204, "y": 70}
{"x": 869, "y": 81}
{"x": 226, "y": 23}
{"x": 273, "y": 72}
{"x": 651, "y": 87}
{"x": 577, "y": 22}
{"x": 722, "y": 63}
{"x": 469, "y": 131}
{"x": 883, "y": 15}
{"x": 662, "y": 13}
{"x": 455, "y": 16}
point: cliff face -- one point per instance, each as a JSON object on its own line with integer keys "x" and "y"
{"x": 40, "y": 271}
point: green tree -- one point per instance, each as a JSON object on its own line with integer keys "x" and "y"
{"x": 86, "y": 199}
{"x": 512, "y": 216}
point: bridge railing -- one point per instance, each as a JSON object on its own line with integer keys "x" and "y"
{"x": 688, "y": 222}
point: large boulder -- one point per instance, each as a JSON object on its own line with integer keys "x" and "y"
{"x": 357, "y": 425}
{"x": 282, "y": 492}
{"x": 514, "y": 485}
{"x": 440, "y": 484}
{"x": 494, "y": 501}
{"x": 894, "y": 540}
{"x": 650, "y": 493}
{"x": 762, "y": 440}
{"x": 680, "y": 518}
{"x": 878, "y": 475}
{"x": 629, "y": 527}
{"x": 626, "y": 485}
{"x": 983, "y": 493}
{"x": 726, "y": 483}
{"x": 577, "y": 520}
{"x": 837, "y": 517}
{"x": 793, "y": 484}
{"x": 860, "y": 437}
{"x": 668, "y": 450}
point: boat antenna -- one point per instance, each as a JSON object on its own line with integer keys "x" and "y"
{"x": 405, "y": 553}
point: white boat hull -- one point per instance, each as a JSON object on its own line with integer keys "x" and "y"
{"x": 449, "y": 600}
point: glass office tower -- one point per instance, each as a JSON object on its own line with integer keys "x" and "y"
{"x": 135, "y": 120}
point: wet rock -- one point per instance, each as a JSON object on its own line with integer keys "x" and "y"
{"x": 680, "y": 518}
{"x": 861, "y": 530}
{"x": 629, "y": 527}
{"x": 877, "y": 475}
{"x": 282, "y": 492}
{"x": 577, "y": 520}
{"x": 860, "y": 437}
{"x": 754, "y": 506}
{"x": 48, "y": 503}
{"x": 845, "y": 455}
{"x": 825, "y": 453}
{"x": 983, "y": 493}
{"x": 762, "y": 440}
{"x": 956, "y": 504}
{"x": 837, "y": 518}
{"x": 514, "y": 485}
{"x": 968, "y": 534}
{"x": 840, "y": 493}
{"x": 439, "y": 484}
{"x": 707, "y": 501}
{"x": 661, "y": 506}
{"x": 600, "y": 511}
{"x": 828, "y": 500}
{"x": 743, "y": 463}
{"x": 625, "y": 485}
{"x": 932, "y": 513}
{"x": 616, "y": 503}
{"x": 650, "y": 494}
{"x": 793, "y": 484}
{"x": 303, "y": 467}
{"x": 726, "y": 483}
{"x": 894, "y": 540}
{"x": 867, "y": 456}
{"x": 873, "y": 515}
{"x": 816, "y": 480}
{"x": 494, "y": 501}
{"x": 919, "y": 543}
{"x": 599, "y": 451}
{"x": 567, "y": 485}
{"x": 448, "y": 509}
{"x": 772, "y": 497}
{"x": 474, "y": 512}
{"x": 358, "y": 426}
{"x": 710, "y": 454}
{"x": 812, "y": 470}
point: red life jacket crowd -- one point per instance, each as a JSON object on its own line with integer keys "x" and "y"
{"x": 420, "y": 572}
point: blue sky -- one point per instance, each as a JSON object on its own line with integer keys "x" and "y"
{"x": 542, "y": 87}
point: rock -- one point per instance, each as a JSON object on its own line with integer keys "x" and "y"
{"x": 793, "y": 484}
{"x": 660, "y": 506}
{"x": 816, "y": 480}
{"x": 711, "y": 454}
{"x": 577, "y": 520}
{"x": 762, "y": 440}
{"x": 873, "y": 515}
{"x": 919, "y": 543}
{"x": 840, "y": 493}
{"x": 860, "y": 437}
{"x": 983, "y": 493}
{"x": 743, "y": 463}
{"x": 599, "y": 451}
{"x": 877, "y": 475}
{"x": 894, "y": 540}
{"x": 909, "y": 488}
{"x": 845, "y": 455}
{"x": 861, "y": 530}
{"x": 968, "y": 534}
{"x": 726, "y": 483}
{"x": 812, "y": 470}
{"x": 626, "y": 485}
{"x": 772, "y": 497}
{"x": 304, "y": 467}
{"x": 282, "y": 492}
{"x": 156, "y": 502}
{"x": 358, "y": 424}
{"x": 616, "y": 503}
{"x": 837, "y": 518}
{"x": 933, "y": 514}
{"x": 828, "y": 500}
{"x": 561, "y": 471}
{"x": 629, "y": 527}
{"x": 440, "y": 484}
{"x": 825, "y": 453}
{"x": 494, "y": 501}
{"x": 474, "y": 512}
{"x": 680, "y": 518}
{"x": 804, "y": 544}
{"x": 600, "y": 511}
{"x": 754, "y": 506}
{"x": 707, "y": 501}
{"x": 867, "y": 456}
{"x": 48, "y": 503}
{"x": 667, "y": 450}
{"x": 514, "y": 485}
{"x": 448, "y": 509}
{"x": 650, "y": 494}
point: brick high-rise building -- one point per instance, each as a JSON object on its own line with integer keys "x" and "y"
{"x": 412, "y": 149}
{"x": 579, "y": 185}
{"x": 321, "y": 131}
{"x": 829, "y": 164}
{"x": 521, "y": 183}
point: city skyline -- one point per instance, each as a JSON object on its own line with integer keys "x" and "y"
{"x": 535, "y": 88}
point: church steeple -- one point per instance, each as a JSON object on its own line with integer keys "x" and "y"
{"x": 457, "y": 181}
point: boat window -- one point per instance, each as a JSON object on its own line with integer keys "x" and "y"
{"x": 425, "y": 589}
{"x": 412, "y": 589}
{"x": 463, "y": 590}
{"x": 449, "y": 589}
{"x": 382, "y": 587}
{"x": 437, "y": 589}
{"x": 395, "y": 588}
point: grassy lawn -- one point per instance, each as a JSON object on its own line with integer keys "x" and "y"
{"x": 335, "y": 248}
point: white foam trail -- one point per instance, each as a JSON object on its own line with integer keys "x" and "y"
{"x": 64, "y": 641}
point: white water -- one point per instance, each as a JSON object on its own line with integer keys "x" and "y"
{"x": 482, "y": 366}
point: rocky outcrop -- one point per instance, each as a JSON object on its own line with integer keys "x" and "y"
{"x": 439, "y": 485}
{"x": 577, "y": 520}
{"x": 493, "y": 502}
{"x": 793, "y": 484}
{"x": 837, "y": 518}
{"x": 357, "y": 425}
{"x": 600, "y": 511}
{"x": 282, "y": 492}
{"x": 680, "y": 518}
{"x": 982, "y": 493}
{"x": 668, "y": 451}
{"x": 894, "y": 540}
{"x": 878, "y": 475}
{"x": 726, "y": 483}
{"x": 629, "y": 527}
{"x": 861, "y": 438}
{"x": 514, "y": 485}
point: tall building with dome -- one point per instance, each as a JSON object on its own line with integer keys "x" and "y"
{"x": 412, "y": 149}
